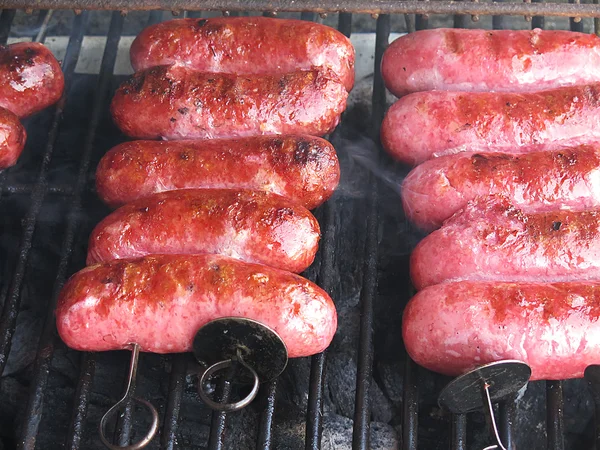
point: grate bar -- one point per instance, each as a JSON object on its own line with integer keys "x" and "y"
{"x": 86, "y": 377}
{"x": 218, "y": 423}
{"x": 362, "y": 410}
{"x": 314, "y": 413}
{"x": 459, "y": 432}
{"x": 410, "y": 406}
{"x": 6, "y": 20}
{"x": 13, "y": 301}
{"x": 345, "y": 24}
{"x": 176, "y": 387}
{"x": 46, "y": 349}
{"x": 266, "y": 419}
{"x": 507, "y": 416}
{"x": 317, "y": 6}
{"x": 554, "y": 415}
{"x": 61, "y": 189}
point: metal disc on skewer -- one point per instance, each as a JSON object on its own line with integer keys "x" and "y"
{"x": 503, "y": 378}
{"x": 261, "y": 347}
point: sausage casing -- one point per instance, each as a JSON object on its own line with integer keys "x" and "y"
{"x": 253, "y": 226}
{"x": 428, "y": 124}
{"x": 539, "y": 181}
{"x": 302, "y": 168}
{"x": 160, "y": 302}
{"x": 451, "y": 328}
{"x": 497, "y": 60}
{"x": 175, "y": 102}
{"x": 495, "y": 241}
{"x": 12, "y": 138}
{"x": 245, "y": 45}
{"x": 30, "y": 78}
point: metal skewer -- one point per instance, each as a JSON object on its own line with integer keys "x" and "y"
{"x": 481, "y": 388}
{"x": 231, "y": 342}
{"x": 135, "y": 353}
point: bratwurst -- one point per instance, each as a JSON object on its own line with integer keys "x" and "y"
{"x": 175, "y": 102}
{"x": 428, "y": 124}
{"x": 160, "y": 302}
{"x": 245, "y": 45}
{"x": 302, "y": 168}
{"x": 484, "y": 60}
{"x": 30, "y": 78}
{"x": 253, "y": 226}
{"x": 451, "y": 328}
{"x": 12, "y": 138}
{"x": 493, "y": 240}
{"x": 540, "y": 181}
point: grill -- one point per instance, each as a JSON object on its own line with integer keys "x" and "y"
{"x": 48, "y": 208}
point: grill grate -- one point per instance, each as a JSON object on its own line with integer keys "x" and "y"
{"x": 74, "y": 199}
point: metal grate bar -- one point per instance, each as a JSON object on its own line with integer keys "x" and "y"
{"x": 317, "y": 6}
{"x": 554, "y": 415}
{"x": 176, "y": 386}
{"x": 86, "y": 377}
{"x": 266, "y": 419}
{"x": 28, "y": 189}
{"x": 362, "y": 409}
{"x": 507, "y": 414}
{"x": 46, "y": 349}
{"x": 345, "y": 23}
{"x": 6, "y": 20}
{"x": 575, "y": 23}
{"x": 314, "y": 413}
{"x": 13, "y": 301}
{"x": 459, "y": 432}
{"x": 219, "y": 418}
{"x": 410, "y": 406}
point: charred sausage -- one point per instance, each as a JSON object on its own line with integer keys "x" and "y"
{"x": 174, "y": 102}
{"x": 301, "y": 168}
{"x": 499, "y": 60}
{"x": 245, "y": 45}
{"x": 493, "y": 240}
{"x": 30, "y": 78}
{"x": 540, "y": 181}
{"x": 427, "y": 124}
{"x": 451, "y": 328}
{"x": 253, "y": 226}
{"x": 12, "y": 138}
{"x": 160, "y": 302}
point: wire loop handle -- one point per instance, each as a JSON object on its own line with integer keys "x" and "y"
{"x": 135, "y": 353}
{"x": 221, "y": 365}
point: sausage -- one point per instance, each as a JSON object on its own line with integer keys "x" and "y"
{"x": 428, "y": 124}
{"x": 161, "y": 301}
{"x": 502, "y": 60}
{"x": 245, "y": 45}
{"x": 302, "y": 168}
{"x": 12, "y": 138}
{"x": 253, "y": 226}
{"x": 174, "y": 102}
{"x": 492, "y": 240}
{"x": 452, "y": 328}
{"x": 539, "y": 181}
{"x": 30, "y": 78}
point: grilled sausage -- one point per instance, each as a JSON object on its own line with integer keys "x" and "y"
{"x": 245, "y": 45}
{"x": 12, "y": 138}
{"x": 30, "y": 78}
{"x": 492, "y": 240}
{"x": 253, "y": 226}
{"x": 302, "y": 168}
{"x": 451, "y": 328}
{"x": 174, "y": 102}
{"x": 427, "y": 124}
{"x": 161, "y": 301}
{"x": 539, "y": 181}
{"x": 503, "y": 60}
